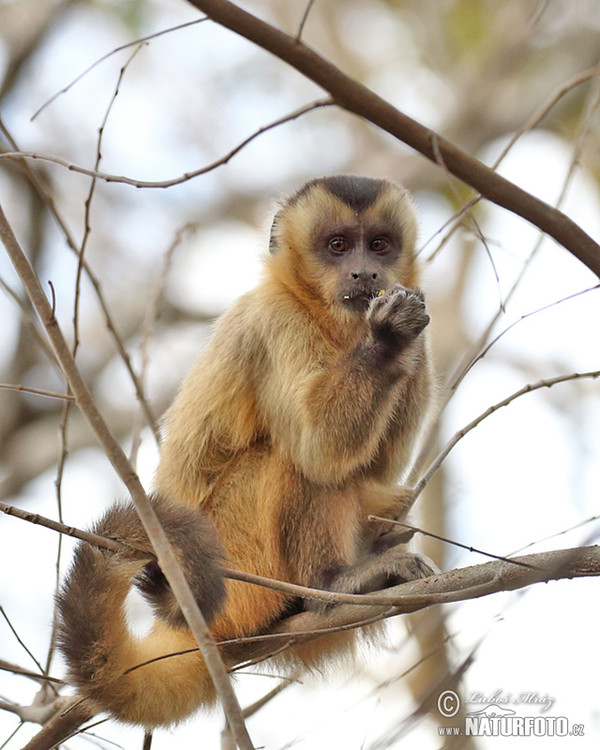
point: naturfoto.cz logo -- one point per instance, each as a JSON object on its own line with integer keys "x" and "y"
{"x": 500, "y": 720}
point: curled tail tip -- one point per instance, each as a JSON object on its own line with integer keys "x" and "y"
{"x": 92, "y": 630}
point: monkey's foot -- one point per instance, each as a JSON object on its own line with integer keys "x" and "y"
{"x": 378, "y": 571}
{"x": 399, "y": 566}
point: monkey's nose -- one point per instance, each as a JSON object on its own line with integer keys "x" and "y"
{"x": 364, "y": 275}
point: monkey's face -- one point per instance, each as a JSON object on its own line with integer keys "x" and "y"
{"x": 358, "y": 258}
{"x": 348, "y": 239}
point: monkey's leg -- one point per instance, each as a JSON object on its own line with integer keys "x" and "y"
{"x": 385, "y": 501}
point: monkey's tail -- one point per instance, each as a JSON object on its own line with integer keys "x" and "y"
{"x": 103, "y": 655}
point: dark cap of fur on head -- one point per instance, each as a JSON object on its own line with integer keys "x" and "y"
{"x": 358, "y": 193}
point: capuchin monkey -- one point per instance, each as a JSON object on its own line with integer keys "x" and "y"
{"x": 293, "y": 427}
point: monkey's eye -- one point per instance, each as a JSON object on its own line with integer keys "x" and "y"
{"x": 379, "y": 244}
{"x": 338, "y": 244}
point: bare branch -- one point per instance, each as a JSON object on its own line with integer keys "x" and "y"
{"x": 456, "y": 585}
{"x": 453, "y": 586}
{"x": 46, "y": 196}
{"x": 529, "y": 388}
{"x": 34, "y": 156}
{"x": 460, "y": 584}
{"x": 36, "y": 391}
{"x": 123, "y": 47}
{"x": 37, "y": 714}
{"x": 304, "y": 592}
{"x": 35, "y": 518}
{"x": 166, "y": 557}
{"x": 358, "y": 99}
{"x": 62, "y": 725}
{"x": 6, "y": 666}
{"x": 28, "y": 319}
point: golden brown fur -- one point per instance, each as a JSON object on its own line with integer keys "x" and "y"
{"x": 295, "y": 424}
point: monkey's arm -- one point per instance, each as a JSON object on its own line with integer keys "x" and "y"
{"x": 332, "y": 415}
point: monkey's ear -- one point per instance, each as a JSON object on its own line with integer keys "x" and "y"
{"x": 274, "y": 237}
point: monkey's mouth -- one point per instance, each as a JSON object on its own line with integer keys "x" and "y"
{"x": 360, "y": 298}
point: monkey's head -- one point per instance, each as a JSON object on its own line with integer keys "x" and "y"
{"x": 345, "y": 240}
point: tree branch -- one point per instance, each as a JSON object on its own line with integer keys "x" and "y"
{"x": 62, "y": 725}
{"x": 358, "y": 99}
{"x": 455, "y": 585}
{"x": 292, "y": 589}
{"x": 458, "y": 436}
{"x": 122, "y": 179}
{"x": 166, "y": 557}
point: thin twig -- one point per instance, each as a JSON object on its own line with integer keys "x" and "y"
{"x": 466, "y": 211}
{"x": 86, "y": 536}
{"x": 36, "y": 391}
{"x": 15, "y": 669}
{"x": 106, "y": 177}
{"x": 261, "y": 702}
{"x": 150, "y": 316}
{"x": 578, "y": 525}
{"x": 545, "y": 383}
{"x": 304, "y": 19}
{"x": 523, "y": 317}
{"x": 27, "y": 317}
{"x": 50, "y": 203}
{"x": 12, "y": 734}
{"x": 446, "y": 540}
{"x": 19, "y": 639}
{"x": 105, "y": 57}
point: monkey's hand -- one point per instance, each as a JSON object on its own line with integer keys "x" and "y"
{"x": 377, "y": 572}
{"x": 397, "y": 318}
